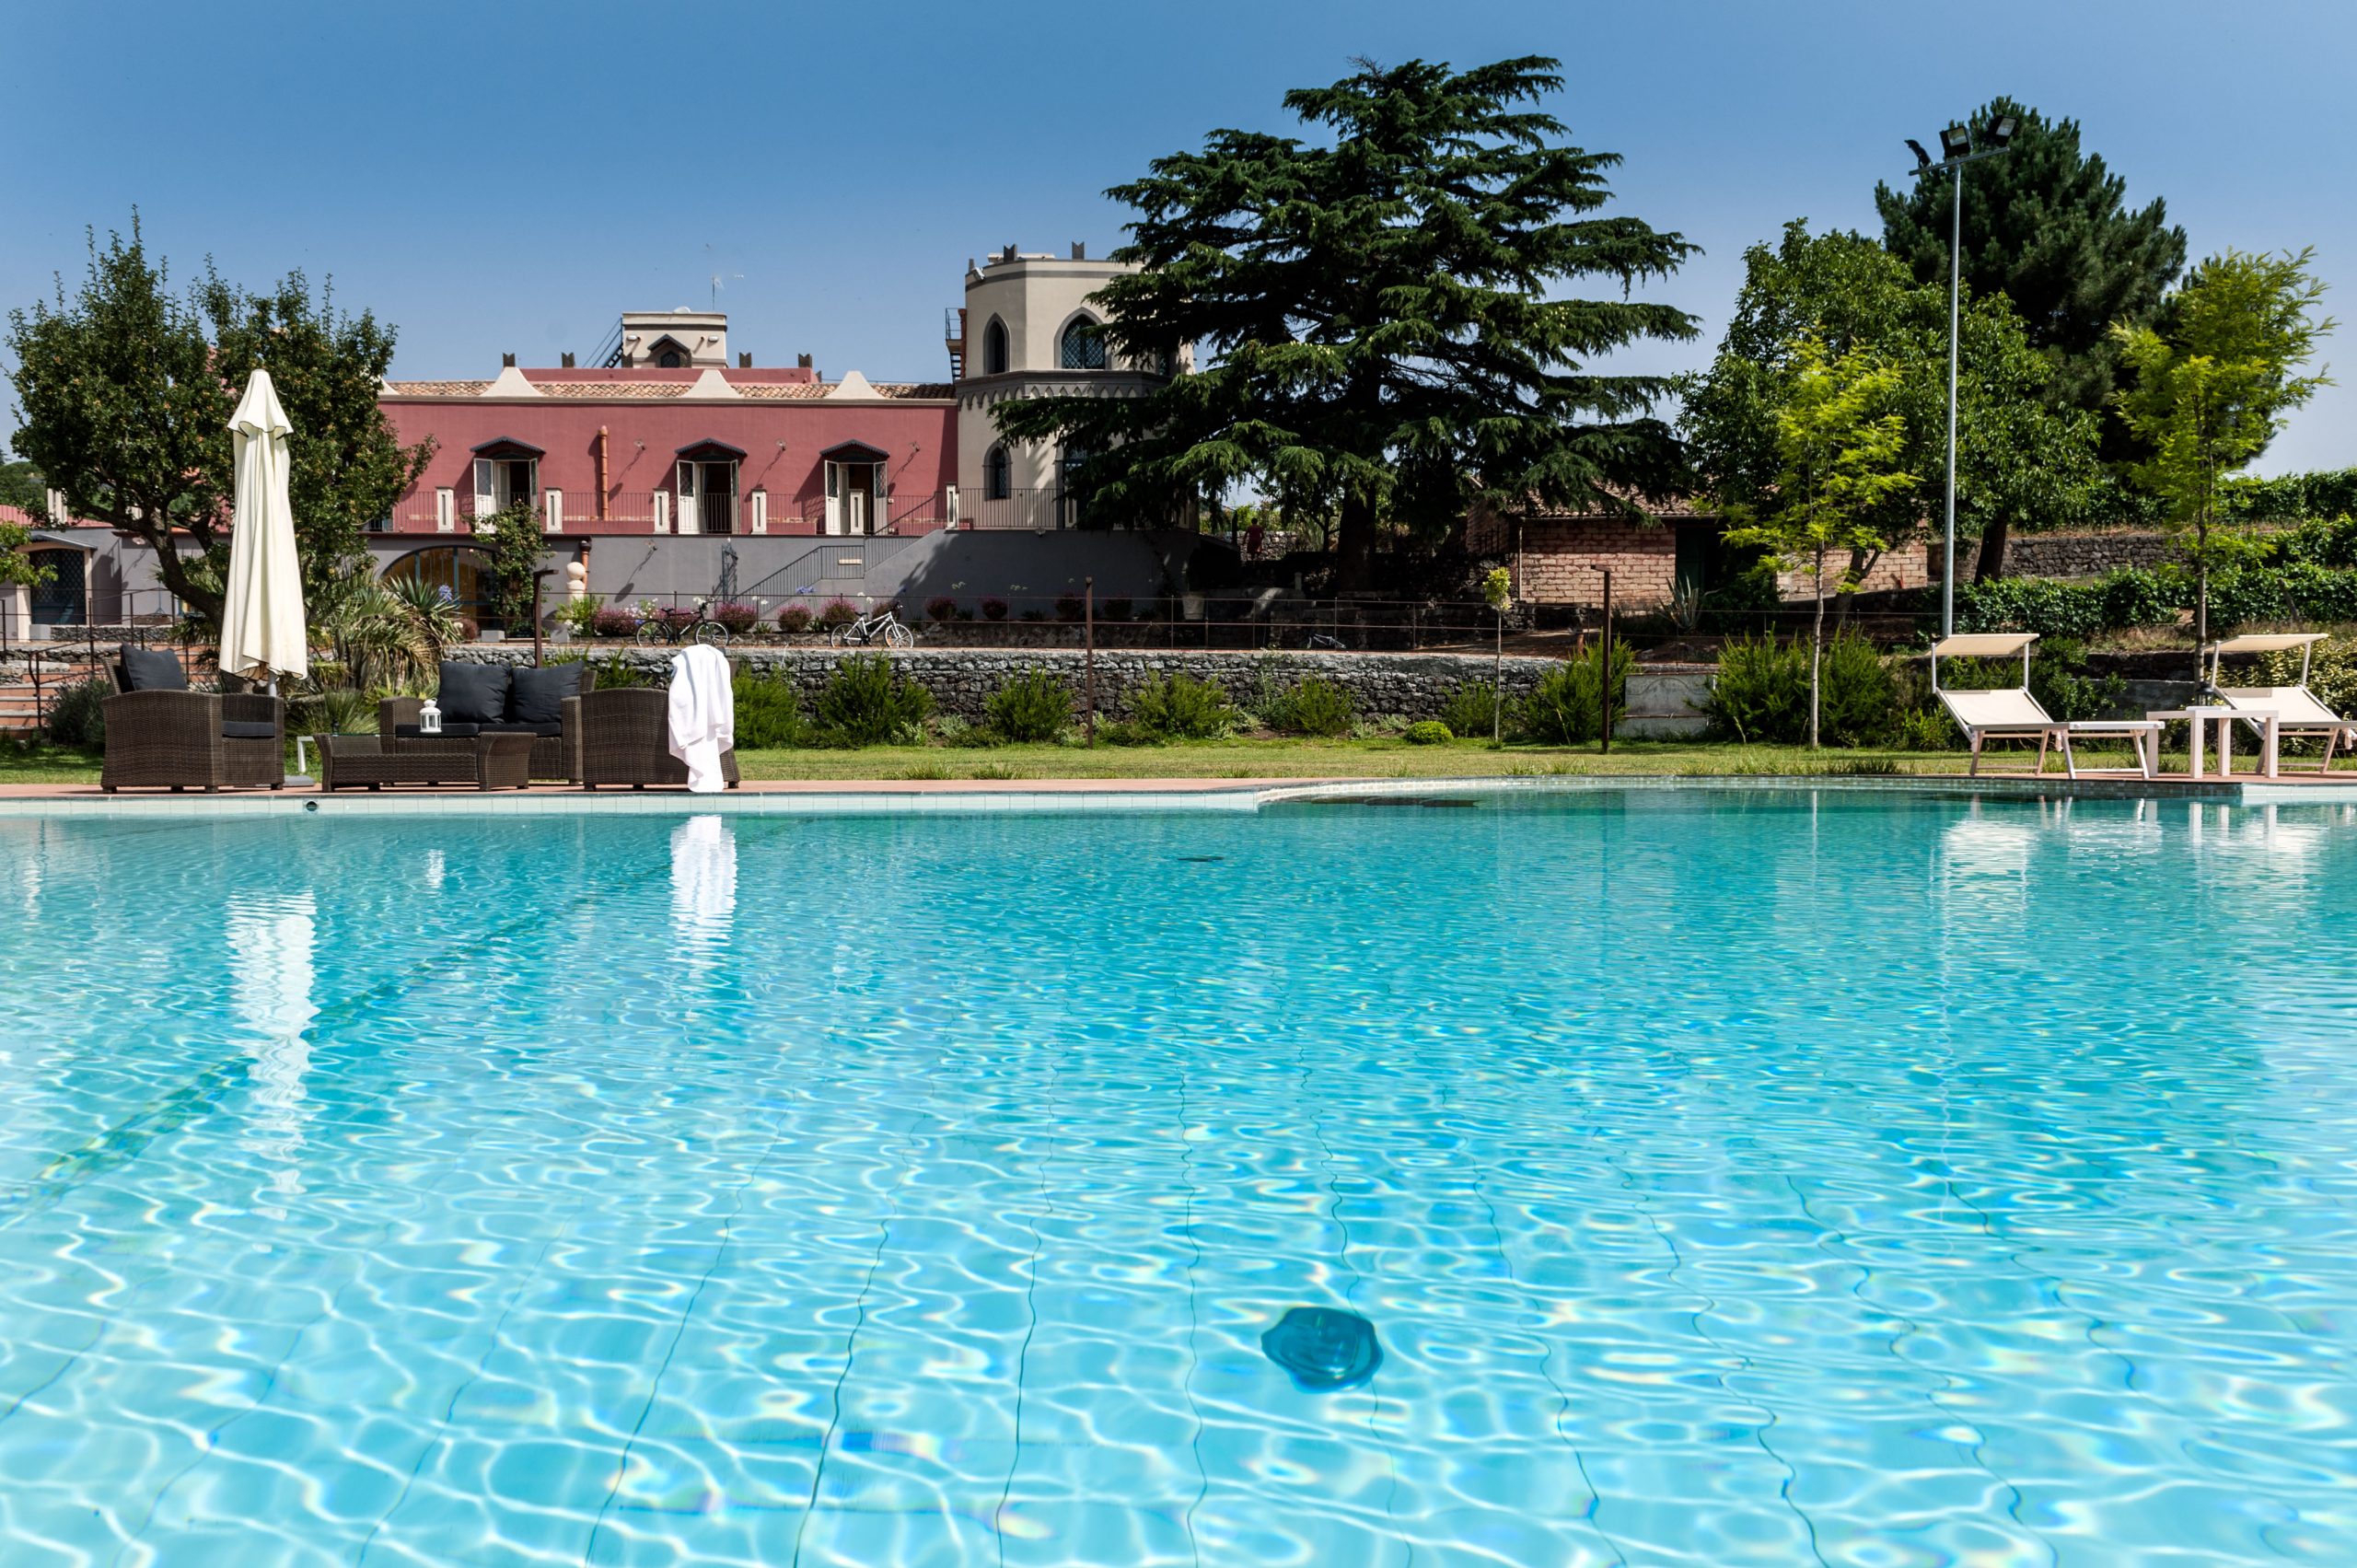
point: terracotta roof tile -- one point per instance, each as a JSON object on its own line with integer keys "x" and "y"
{"x": 783, "y": 391}
{"x": 437, "y": 388}
{"x": 613, "y": 391}
{"x": 656, "y": 391}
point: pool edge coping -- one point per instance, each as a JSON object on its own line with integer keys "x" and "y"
{"x": 963, "y": 797}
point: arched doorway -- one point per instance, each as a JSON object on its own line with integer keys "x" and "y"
{"x": 459, "y": 571}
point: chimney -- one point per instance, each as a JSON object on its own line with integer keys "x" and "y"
{"x": 802, "y": 362}
{"x": 507, "y": 362}
{"x": 566, "y": 360}
{"x": 1007, "y": 254}
{"x": 1079, "y": 251}
{"x": 743, "y": 361}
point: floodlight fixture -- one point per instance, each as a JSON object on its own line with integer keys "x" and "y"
{"x": 2001, "y": 132}
{"x": 1955, "y": 142}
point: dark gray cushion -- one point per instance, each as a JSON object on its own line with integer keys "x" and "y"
{"x": 449, "y": 731}
{"x": 474, "y": 693}
{"x": 538, "y": 696}
{"x": 152, "y": 670}
{"x": 247, "y": 729}
{"x": 512, "y": 727}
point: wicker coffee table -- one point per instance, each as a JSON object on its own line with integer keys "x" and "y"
{"x": 486, "y": 762}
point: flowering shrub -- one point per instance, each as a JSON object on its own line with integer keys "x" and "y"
{"x": 838, "y": 612}
{"x": 612, "y": 621}
{"x": 794, "y": 618}
{"x": 737, "y": 617}
{"x": 941, "y": 606}
{"x": 993, "y": 610}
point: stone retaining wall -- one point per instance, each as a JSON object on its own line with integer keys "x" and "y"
{"x": 2080, "y": 554}
{"x": 1385, "y": 686}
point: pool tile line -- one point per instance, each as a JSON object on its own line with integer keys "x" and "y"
{"x": 851, "y": 1340}
{"x": 1030, "y": 1304}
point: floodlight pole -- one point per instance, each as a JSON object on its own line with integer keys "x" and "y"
{"x": 2003, "y": 135}
{"x": 1956, "y": 291}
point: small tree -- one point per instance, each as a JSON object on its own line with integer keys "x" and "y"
{"x": 18, "y": 569}
{"x": 126, "y": 389}
{"x": 1497, "y": 590}
{"x": 1840, "y": 447}
{"x": 2211, "y": 389}
{"x": 513, "y": 541}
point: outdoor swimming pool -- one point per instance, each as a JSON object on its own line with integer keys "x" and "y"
{"x": 1729, "y": 1177}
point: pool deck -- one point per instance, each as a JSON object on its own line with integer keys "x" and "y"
{"x": 973, "y": 797}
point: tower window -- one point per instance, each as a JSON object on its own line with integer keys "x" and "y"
{"x": 998, "y": 474}
{"x": 1082, "y": 348}
{"x": 994, "y": 348}
{"x": 670, "y": 360}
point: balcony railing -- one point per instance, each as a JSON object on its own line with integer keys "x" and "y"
{"x": 661, "y": 512}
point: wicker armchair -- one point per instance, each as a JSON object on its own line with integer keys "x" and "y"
{"x": 553, "y": 756}
{"x": 181, "y": 741}
{"x": 626, "y": 739}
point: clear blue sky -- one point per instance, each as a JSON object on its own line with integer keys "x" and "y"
{"x": 497, "y": 177}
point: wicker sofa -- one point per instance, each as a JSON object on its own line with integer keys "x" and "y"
{"x": 163, "y": 735}
{"x": 557, "y": 747}
{"x": 626, "y": 739}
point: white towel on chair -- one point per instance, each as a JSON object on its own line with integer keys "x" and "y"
{"x": 703, "y": 715}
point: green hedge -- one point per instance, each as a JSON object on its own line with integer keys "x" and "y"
{"x": 2241, "y": 596}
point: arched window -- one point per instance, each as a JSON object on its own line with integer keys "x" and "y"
{"x": 998, "y": 474}
{"x": 458, "y": 570}
{"x": 1082, "y": 349}
{"x": 994, "y": 348}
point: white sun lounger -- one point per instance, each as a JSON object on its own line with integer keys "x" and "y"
{"x": 2012, "y": 714}
{"x": 2297, "y": 710}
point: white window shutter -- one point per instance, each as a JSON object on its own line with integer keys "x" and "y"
{"x": 760, "y": 511}
{"x": 685, "y": 484}
{"x": 661, "y": 512}
{"x": 485, "y": 489}
{"x": 834, "y": 498}
{"x": 882, "y": 500}
{"x": 950, "y": 498}
{"x": 446, "y": 510}
{"x": 552, "y": 508}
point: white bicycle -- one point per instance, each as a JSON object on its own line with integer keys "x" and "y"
{"x": 880, "y": 626}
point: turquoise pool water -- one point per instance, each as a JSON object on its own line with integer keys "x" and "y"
{"x": 1729, "y": 1177}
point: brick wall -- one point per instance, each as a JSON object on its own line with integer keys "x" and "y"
{"x": 1563, "y": 558}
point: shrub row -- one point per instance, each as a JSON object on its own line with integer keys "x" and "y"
{"x": 2289, "y": 589}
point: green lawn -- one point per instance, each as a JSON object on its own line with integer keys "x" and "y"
{"x": 1291, "y": 758}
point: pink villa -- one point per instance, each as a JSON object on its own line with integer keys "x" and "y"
{"x": 672, "y": 466}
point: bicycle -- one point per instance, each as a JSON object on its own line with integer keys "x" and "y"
{"x": 883, "y": 625}
{"x": 675, "y": 626}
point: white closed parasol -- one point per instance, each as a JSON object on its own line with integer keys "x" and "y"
{"x": 263, "y": 634}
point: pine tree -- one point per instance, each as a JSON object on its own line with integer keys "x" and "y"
{"x": 2047, "y": 226}
{"x": 1375, "y": 315}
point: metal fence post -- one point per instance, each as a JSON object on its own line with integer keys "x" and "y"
{"x": 1604, "y": 680}
{"x": 1088, "y": 645}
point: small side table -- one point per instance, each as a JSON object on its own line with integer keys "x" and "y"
{"x": 486, "y": 762}
{"x": 2200, "y": 715}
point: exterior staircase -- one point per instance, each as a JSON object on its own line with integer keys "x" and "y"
{"x": 28, "y": 689}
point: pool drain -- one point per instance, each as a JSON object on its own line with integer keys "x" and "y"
{"x": 1324, "y": 1349}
